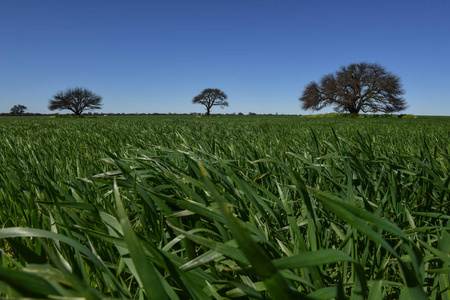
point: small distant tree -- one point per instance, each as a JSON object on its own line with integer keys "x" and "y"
{"x": 210, "y": 98}
{"x": 76, "y": 100}
{"x": 18, "y": 109}
{"x": 365, "y": 87}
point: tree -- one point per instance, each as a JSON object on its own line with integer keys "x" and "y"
{"x": 77, "y": 100}
{"x": 18, "y": 109}
{"x": 210, "y": 98}
{"x": 365, "y": 87}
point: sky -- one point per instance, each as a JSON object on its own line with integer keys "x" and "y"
{"x": 155, "y": 56}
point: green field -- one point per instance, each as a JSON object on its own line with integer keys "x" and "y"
{"x": 245, "y": 207}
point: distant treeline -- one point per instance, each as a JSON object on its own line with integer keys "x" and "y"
{"x": 329, "y": 115}
{"x": 24, "y": 114}
{"x": 147, "y": 114}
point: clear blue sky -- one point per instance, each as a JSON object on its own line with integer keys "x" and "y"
{"x": 155, "y": 56}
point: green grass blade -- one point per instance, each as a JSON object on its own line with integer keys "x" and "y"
{"x": 152, "y": 282}
{"x": 28, "y": 285}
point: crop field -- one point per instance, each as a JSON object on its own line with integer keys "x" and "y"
{"x": 234, "y": 207}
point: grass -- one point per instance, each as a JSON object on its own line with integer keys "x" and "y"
{"x": 224, "y": 208}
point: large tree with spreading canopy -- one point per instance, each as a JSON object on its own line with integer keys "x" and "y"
{"x": 363, "y": 87}
{"x": 76, "y": 100}
{"x": 210, "y": 98}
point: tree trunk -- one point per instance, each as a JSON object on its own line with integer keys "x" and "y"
{"x": 207, "y": 110}
{"x": 353, "y": 109}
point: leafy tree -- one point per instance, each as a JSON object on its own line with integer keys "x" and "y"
{"x": 77, "y": 100}
{"x": 210, "y": 98}
{"x": 18, "y": 110}
{"x": 365, "y": 87}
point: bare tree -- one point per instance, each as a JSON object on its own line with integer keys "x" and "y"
{"x": 210, "y": 98}
{"x": 18, "y": 110}
{"x": 365, "y": 87}
{"x": 76, "y": 100}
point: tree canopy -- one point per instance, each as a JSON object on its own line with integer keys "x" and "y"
{"x": 210, "y": 98}
{"x": 365, "y": 87}
{"x": 18, "y": 109}
{"x": 76, "y": 100}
